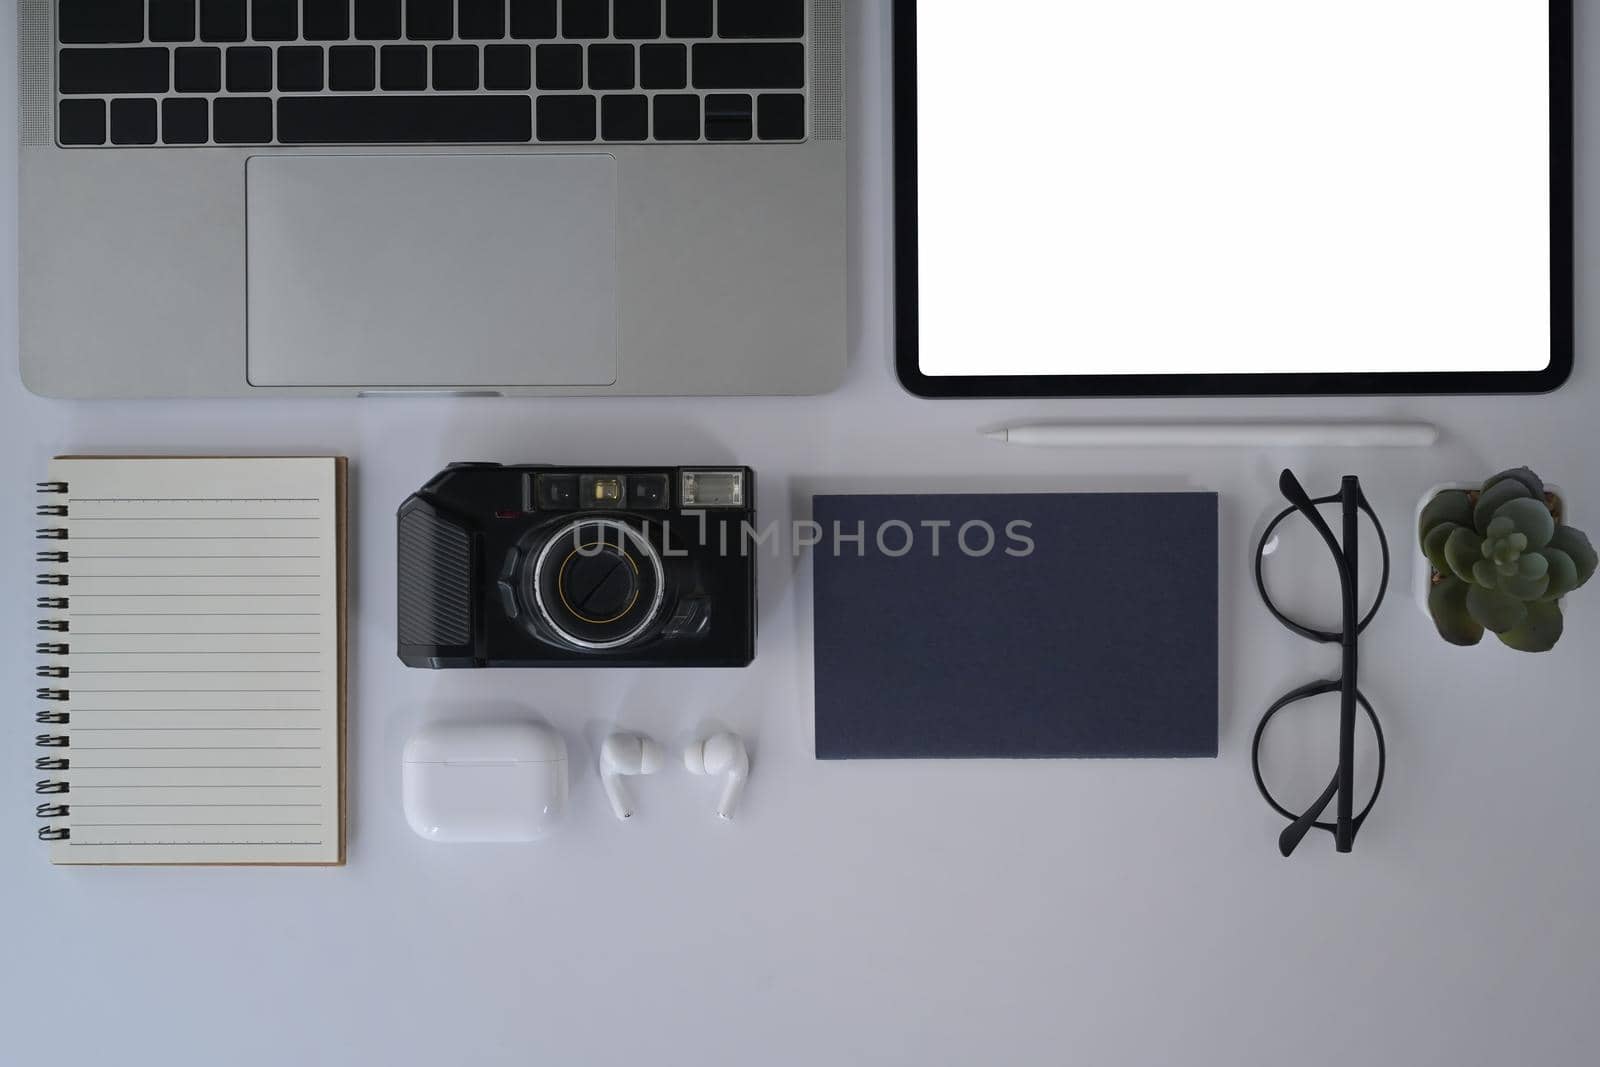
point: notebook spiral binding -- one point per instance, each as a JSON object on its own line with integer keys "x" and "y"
{"x": 52, "y": 716}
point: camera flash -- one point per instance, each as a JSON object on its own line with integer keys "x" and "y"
{"x": 607, "y": 490}
{"x": 713, "y": 489}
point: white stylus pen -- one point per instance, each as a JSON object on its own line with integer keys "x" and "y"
{"x": 1220, "y": 435}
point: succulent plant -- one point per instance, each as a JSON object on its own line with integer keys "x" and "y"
{"x": 1502, "y": 560}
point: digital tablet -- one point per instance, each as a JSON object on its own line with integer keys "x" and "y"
{"x": 1233, "y": 197}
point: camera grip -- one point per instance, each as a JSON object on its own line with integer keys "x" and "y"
{"x": 437, "y": 562}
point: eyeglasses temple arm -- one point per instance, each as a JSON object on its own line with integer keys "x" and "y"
{"x": 1345, "y": 830}
{"x": 1344, "y": 555}
{"x": 1296, "y": 831}
{"x": 1296, "y": 494}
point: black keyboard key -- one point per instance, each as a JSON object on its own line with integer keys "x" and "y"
{"x": 197, "y": 70}
{"x": 533, "y": 19}
{"x": 100, "y": 22}
{"x": 275, "y": 20}
{"x": 611, "y": 66}
{"x": 728, "y": 117}
{"x": 245, "y": 119}
{"x": 300, "y": 69}
{"x": 352, "y": 68}
{"x": 113, "y": 70}
{"x": 133, "y": 121}
{"x": 404, "y": 66}
{"x": 677, "y": 118}
{"x": 430, "y": 20}
{"x": 625, "y": 118}
{"x": 481, "y": 20}
{"x": 249, "y": 70}
{"x": 780, "y": 116}
{"x": 663, "y": 66}
{"x": 324, "y": 21}
{"x": 80, "y": 122}
{"x": 455, "y": 67}
{"x": 404, "y": 119}
{"x": 761, "y": 18}
{"x": 378, "y": 20}
{"x": 171, "y": 21}
{"x": 749, "y": 66}
{"x": 688, "y": 18}
{"x": 585, "y": 19}
{"x": 636, "y": 20}
{"x": 566, "y": 118}
{"x": 222, "y": 20}
{"x": 559, "y": 66}
{"x": 508, "y": 67}
{"x": 185, "y": 121}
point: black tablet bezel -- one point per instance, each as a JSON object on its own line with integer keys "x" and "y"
{"x": 1562, "y": 293}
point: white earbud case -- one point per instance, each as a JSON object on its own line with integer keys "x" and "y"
{"x": 484, "y": 782}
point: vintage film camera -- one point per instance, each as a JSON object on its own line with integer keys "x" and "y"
{"x": 534, "y": 566}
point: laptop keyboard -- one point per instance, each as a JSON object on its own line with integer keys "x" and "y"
{"x": 348, "y": 72}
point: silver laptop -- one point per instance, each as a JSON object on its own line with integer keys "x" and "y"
{"x": 523, "y": 197}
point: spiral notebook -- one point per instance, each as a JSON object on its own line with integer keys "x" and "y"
{"x": 192, "y": 660}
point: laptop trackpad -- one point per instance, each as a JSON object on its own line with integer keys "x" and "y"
{"x": 434, "y": 271}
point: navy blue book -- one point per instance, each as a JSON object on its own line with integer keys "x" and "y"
{"x": 1016, "y": 626}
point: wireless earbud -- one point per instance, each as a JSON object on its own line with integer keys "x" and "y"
{"x": 627, "y": 754}
{"x": 721, "y": 754}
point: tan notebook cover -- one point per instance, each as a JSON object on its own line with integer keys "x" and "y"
{"x": 194, "y": 660}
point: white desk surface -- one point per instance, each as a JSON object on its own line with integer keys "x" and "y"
{"x": 915, "y": 913}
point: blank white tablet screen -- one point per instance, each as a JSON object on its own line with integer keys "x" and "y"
{"x": 1233, "y": 186}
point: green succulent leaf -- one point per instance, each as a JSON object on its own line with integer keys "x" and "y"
{"x": 1447, "y": 603}
{"x": 1529, "y": 480}
{"x": 1563, "y": 573}
{"x": 1433, "y": 545}
{"x": 1575, "y": 544}
{"x": 1525, "y": 588}
{"x": 1450, "y": 506}
{"x": 1539, "y": 632}
{"x": 1532, "y": 518}
{"x": 1495, "y": 610}
{"x": 1486, "y": 574}
{"x": 1492, "y": 499}
{"x": 1501, "y": 526}
{"x": 1533, "y": 565}
{"x": 1462, "y": 550}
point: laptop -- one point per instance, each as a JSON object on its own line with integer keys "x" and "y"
{"x": 517, "y": 197}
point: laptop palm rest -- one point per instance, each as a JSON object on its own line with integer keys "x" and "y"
{"x": 432, "y": 271}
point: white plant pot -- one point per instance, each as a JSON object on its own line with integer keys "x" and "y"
{"x": 1424, "y": 570}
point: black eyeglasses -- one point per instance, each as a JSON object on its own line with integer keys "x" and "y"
{"x": 1353, "y": 504}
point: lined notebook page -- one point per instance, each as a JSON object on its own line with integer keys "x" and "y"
{"x": 203, "y": 659}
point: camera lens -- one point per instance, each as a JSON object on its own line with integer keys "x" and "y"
{"x": 597, "y": 584}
